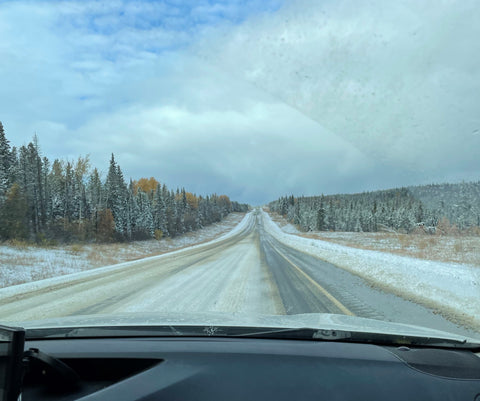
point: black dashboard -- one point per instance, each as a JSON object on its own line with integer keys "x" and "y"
{"x": 218, "y": 368}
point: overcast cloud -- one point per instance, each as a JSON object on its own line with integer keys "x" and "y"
{"x": 254, "y": 99}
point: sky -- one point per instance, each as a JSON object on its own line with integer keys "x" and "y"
{"x": 254, "y": 99}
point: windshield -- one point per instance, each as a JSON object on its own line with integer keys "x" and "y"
{"x": 241, "y": 162}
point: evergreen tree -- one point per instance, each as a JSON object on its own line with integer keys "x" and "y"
{"x": 13, "y": 215}
{"x": 321, "y": 217}
{"x": 64, "y": 201}
{"x": 56, "y": 179}
{"x": 116, "y": 199}
{"x": 159, "y": 211}
{"x": 5, "y": 164}
{"x": 94, "y": 195}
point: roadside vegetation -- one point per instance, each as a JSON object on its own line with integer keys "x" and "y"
{"x": 445, "y": 245}
{"x": 69, "y": 202}
{"x": 23, "y": 262}
{"x": 443, "y": 209}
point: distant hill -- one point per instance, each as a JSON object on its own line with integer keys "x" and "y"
{"x": 460, "y": 203}
{"x": 428, "y": 207}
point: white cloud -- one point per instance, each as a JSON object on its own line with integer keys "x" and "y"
{"x": 261, "y": 150}
{"x": 318, "y": 97}
{"x": 396, "y": 79}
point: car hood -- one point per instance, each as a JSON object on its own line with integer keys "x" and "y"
{"x": 320, "y": 321}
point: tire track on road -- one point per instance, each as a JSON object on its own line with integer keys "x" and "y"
{"x": 298, "y": 291}
{"x": 95, "y": 293}
{"x": 354, "y": 292}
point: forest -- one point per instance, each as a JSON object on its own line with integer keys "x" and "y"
{"x": 68, "y": 201}
{"x": 431, "y": 209}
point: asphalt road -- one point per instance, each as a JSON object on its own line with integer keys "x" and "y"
{"x": 250, "y": 272}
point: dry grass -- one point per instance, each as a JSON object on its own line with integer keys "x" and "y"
{"x": 23, "y": 262}
{"x": 96, "y": 258}
{"x": 277, "y": 218}
{"x": 459, "y": 246}
{"x": 21, "y": 259}
{"x": 109, "y": 254}
{"x": 76, "y": 248}
{"x": 20, "y": 244}
{"x": 445, "y": 248}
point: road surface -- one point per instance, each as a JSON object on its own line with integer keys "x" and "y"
{"x": 249, "y": 272}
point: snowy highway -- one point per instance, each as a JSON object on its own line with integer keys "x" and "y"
{"x": 247, "y": 272}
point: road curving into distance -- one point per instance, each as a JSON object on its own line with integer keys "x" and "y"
{"x": 248, "y": 272}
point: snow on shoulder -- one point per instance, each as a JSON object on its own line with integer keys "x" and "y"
{"x": 449, "y": 287}
{"x": 15, "y": 290}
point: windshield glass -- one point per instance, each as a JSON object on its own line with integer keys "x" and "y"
{"x": 241, "y": 162}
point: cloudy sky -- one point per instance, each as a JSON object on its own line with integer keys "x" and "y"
{"x": 253, "y": 98}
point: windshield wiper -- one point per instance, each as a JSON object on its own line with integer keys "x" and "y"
{"x": 247, "y": 332}
{"x": 297, "y": 334}
{"x": 359, "y": 337}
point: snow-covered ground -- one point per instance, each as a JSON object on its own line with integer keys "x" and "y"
{"x": 452, "y": 288}
{"x": 172, "y": 280}
{"x": 444, "y": 248}
{"x": 290, "y": 229}
{"x": 23, "y": 264}
{"x": 462, "y": 248}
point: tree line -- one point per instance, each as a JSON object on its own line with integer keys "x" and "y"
{"x": 67, "y": 201}
{"x": 436, "y": 208}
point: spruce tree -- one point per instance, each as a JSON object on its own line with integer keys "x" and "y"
{"x": 5, "y": 164}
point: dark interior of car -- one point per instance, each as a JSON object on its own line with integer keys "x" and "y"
{"x": 244, "y": 369}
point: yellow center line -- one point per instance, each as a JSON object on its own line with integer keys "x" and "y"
{"x": 334, "y": 300}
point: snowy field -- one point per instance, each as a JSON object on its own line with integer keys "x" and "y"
{"x": 451, "y": 288}
{"x": 457, "y": 249}
{"x": 22, "y": 264}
